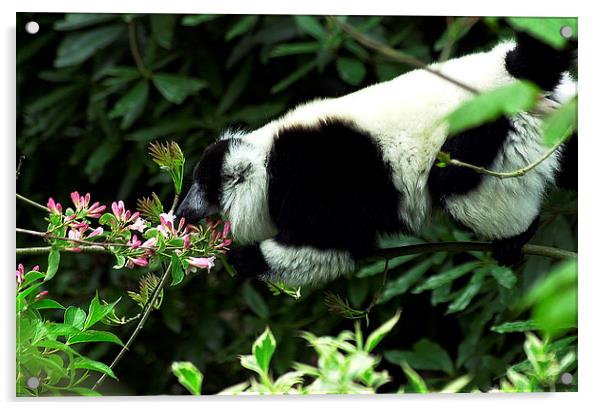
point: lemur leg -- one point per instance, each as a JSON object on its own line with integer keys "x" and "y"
{"x": 274, "y": 261}
{"x": 504, "y": 211}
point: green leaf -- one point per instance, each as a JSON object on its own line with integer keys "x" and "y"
{"x": 162, "y": 26}
{"x": 75, "y": 317}
{"x": 197, "y": 19}
{"x": 263, "y": 349}
{"x": 255, "y": 301}
{"x": 468, "y": 293}
{"x": 293, "y": 77}
{"x": 310, "y": 25}
{"x": 46, "y": 304}
{"x": 94, "y": 336}
{"x": 414, "y": 378}
{"x": 97, "y": 311}
{"x": 236, "y": 87}
{"x": 560, "y": 124}
{"x": 518, "y": 326}
{"x": 456, "y": 385}
{"x": 119, "y": 262}
{"x": 131, "y": 105}
{"x": 175, "y": 88}
{"x": 375, "y": 337}
{"x": 108, "y": 219}
{"x": 79, "y": 46}
{"x": 84, "y": 391}
{"x": 490, "y": 105}
{"x": 401, "y": 284}
{"x": 426, "y": 355}
{"x": 61, "y": 329}
{"x": 54, "y": 258}
{"x": 189, "y": 376}
{"x": 447, "y": 276}
{"x": 546, "y": 29}
{"x": 177, "y": 273}
{"x": 243, "y": 25}
{"x": 85, "y": 363}
{"x": 351, "y": 70}
{"x": 73, "y": 21}
{"x": 281, "y": 50}
{"x": 503, "y": 275}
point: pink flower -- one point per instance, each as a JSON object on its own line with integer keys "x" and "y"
{"x": 226, "y": 229}
{"x": 80, "y": 202}
{"x": 95, "y": 211}
{"x": 167, "y": 225}
{"x": 122, "y": 214}
{"x": 96, "y": 232}
{"x": 141, "y": 261}
{"x": 139, "y": 225}
{"x": 82, "y": 226}
{"x": 202, "y": 263}
{"x": 134, "y": 242}
{"x": 74, "y": 234}
{"x": 41, "y": 295}
{"x": 150, "y": 243}
{"x": 20, "y": 274}
{"x": 186, "y": 242}
{"x": 54, "y": 207}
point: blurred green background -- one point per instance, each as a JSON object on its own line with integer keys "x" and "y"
{"x": 94, "y": 89}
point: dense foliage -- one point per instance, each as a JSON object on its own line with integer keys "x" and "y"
{"x": 94, "y": 90}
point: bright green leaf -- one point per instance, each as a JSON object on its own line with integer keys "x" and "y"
{"x": 177, "y": 273}
{"x": 75, "y": 317}
{"x": 89, "y": 364}
{"x": 546, "y": 29}
{"x": 94, "y": 336}
{"x": 560, "y": 124}
{"x": 375, "y": 337}
{"x": 54, "y": 258}
{"x": 490, "y": 105}
{"x": 189, "y": 376}
{"x": 263, "y": 349}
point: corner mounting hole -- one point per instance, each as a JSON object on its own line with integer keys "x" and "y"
{"x": 566, "y": 31}
{"x": 32, "y": 27}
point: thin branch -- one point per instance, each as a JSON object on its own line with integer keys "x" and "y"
{"x": 534, "y": 250}
{"x": 147, "y": 309}
{"x": 397, "y": 55}
{"x": 517, "y": 173}
{"x": 21, "y": 158}
{"x": 135, "y": 51}
{"x": 176, "y": 198}
{"x": 32, "y": 203}
{"x": 42, "y": 250}
{"x": 47, "y": 236}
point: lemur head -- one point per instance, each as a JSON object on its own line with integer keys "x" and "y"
{"x": 231, "y": 178}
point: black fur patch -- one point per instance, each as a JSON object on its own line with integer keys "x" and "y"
{"x": 537, "y": 62}
{"x": 248, "y": 261}
{"x": 509, "y": 251}
{"x": 329, "y": 188}
{"x": 567, "y": 174}
{"x": 208, "y": 172}
{"x": 478, "y": 146}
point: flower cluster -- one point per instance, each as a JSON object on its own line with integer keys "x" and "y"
{"x": 132, "y": 239}
{"x": 21, "y": 272}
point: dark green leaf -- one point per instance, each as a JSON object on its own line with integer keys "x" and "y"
{"x": 162, "y": 26}
{"x": 243, "y": 25}
{"x": 197, "y": 19}
{"x": 281, "y": 50}
{"x": 255, "y": 301}
{"x": 311, "y": 26}
{"x": 175, "y": 87}
{"x": 401, "y": 284}
{"x": 468, "y": 293}
{"x": 79, "y": 46}
{"x": 73, "y": 21}
{"x": 447, "y": 276}
{"x": 131, "y": 105}
{"x": 503, "y": 275}
{"x": 518, "y": 326}
{"x": 293, "y": 77}
{"x": 426, "y": 355}
{"x": 236, "y": 87}
{"x": 351, "y": 70}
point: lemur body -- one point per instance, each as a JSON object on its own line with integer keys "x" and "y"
{"x": 310, "y": 192}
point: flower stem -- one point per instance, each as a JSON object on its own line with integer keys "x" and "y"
{"x": 32, "y": 203}
{"x": 146, "y": 312}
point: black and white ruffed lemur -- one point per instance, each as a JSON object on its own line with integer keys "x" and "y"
{"x": 309, "y": 193}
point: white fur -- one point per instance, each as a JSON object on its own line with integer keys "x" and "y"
{"x": 502, "y": 208}
{"x": 566, "y": 89}
{"x": 244, "y": 193}
{"x": 304, "y": 265}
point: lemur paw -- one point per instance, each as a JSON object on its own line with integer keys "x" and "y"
{"x": 509, "y": 251}
{"x": 248, "y": 261}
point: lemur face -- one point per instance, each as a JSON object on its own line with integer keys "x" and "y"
{"x": 231, "y": 178}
